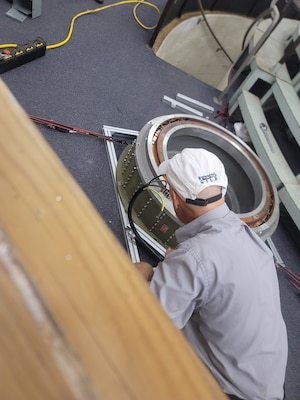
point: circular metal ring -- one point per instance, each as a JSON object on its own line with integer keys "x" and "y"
{"x": 250, "y": 194}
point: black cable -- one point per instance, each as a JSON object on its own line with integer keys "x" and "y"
{"x": 212, "y": 33}
{"x": 131, "y": 223}
{"x": 259, "y": 17}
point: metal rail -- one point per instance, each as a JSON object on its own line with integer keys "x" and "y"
{"x": 276, "y": 17}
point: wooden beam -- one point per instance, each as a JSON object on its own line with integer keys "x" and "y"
{"x": 77, "y": 320}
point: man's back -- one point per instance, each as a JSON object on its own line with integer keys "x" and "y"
{"x": 220, "y": 287}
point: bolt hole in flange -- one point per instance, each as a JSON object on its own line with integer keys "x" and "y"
{"x": 250, "y": 194}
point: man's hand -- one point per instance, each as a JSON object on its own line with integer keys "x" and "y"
{"x": 145, "y": 269}
{"x": 168, "y": 251}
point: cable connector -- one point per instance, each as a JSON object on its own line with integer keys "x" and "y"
{"x": 12, "y": 57}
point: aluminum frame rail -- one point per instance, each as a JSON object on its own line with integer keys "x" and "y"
{"x": 130, "y": 239}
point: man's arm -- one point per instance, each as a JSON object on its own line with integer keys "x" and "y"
{"x": 145, "y": 269}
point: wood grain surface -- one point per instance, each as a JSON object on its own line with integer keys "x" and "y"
{"x": 77, "y": 321}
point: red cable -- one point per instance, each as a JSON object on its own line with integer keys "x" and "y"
{"x": 50, "y": 123}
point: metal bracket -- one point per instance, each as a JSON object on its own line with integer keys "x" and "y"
{"x": 188, "y": 105}
{"x": 194, "y": 103}
{"x": 181, "y": 106}
{"x": 22, "y": 8}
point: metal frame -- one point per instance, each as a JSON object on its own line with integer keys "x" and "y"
{"x": 287, "y": 184}
{"x": 130, "y": 240}
{"x": 249, "y": 54}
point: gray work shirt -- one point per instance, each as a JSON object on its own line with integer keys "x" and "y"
{"x": 220, "y": 287}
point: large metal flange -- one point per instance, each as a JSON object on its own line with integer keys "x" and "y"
{"x": 250, "y": 194}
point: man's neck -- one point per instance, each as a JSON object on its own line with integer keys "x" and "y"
{"x": 193, "y": 212}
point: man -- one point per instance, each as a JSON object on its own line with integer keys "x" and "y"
{"x": 219, "y": 285}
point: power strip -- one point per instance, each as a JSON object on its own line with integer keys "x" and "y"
{"x": 12, "y": 57}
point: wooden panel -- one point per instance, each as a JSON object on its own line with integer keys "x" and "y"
{"x": 77, "y": 321}
{"x": 24, "y": 369}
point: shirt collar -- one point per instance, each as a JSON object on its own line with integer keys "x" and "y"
{"x": 192, "y": 228}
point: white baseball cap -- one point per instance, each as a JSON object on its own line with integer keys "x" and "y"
{"x": 192, "y": 170}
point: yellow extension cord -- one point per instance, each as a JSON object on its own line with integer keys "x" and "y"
{"x": 119, "y": 3}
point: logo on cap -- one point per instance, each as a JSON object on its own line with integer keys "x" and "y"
{"x": 208, "y": 178}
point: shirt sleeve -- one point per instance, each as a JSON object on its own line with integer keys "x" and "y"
{"x": 179, "y": 284}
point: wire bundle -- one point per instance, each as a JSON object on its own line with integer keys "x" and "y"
{"x": 62, "y": 127}
{"x": 292, "y": 278}
{"x": 147, "y": 186}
